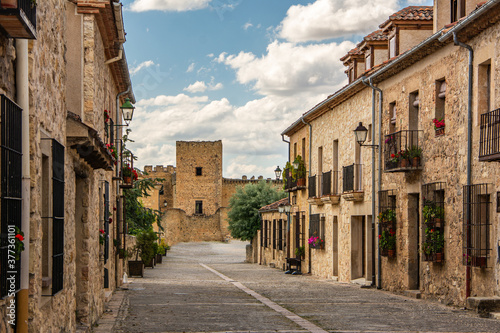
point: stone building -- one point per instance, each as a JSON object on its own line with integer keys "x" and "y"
{"x": 194, "y": 195}
{"x": 56, "y": 170}
{"x": 434, "y": 175}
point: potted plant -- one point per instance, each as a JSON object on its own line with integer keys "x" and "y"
{"x": 438, "y": 126}
{"x": 299, "y": 171}
{"x": 433, "y": 213}
{"x": 287, "y": 175}
{"x": 427, "y": 251}
{"x": 404, "y": 156}
{"x": 316, "y": 242}
{"x": 415, "y": 155}
{"x": 387, "y": 242}
{"x": 437, "y": 241}
{"x": 387, "y": 216}
{"x": 129, "y": 174}
{"x": 300, "y": 251}
{"x": 135, "y": 267}
{"x": 164, "y": 246}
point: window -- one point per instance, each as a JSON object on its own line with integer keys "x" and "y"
{"x": 484, "y": 87}
{"x": 275, "y": 243}
{"x": 294, "y": 151}
{"x": 414, "y": 101}
{"x": 304, "y": 149}
{"x": 440, "y": 99}
{"x": 199, "y": 171}
{"x": 53, "y": 216}
{"x": 106, "y": 221}
{"x": 317, "y": 227}
{"x": 198, "y": 208}
{"x": 392, "y": 114}
{"x": 368, "y": 61}
{"x": 476, "y": 225}
{"x": 457, "y": 10}
{"x": 392, "y": 47}
{"x": 11, "y": 196}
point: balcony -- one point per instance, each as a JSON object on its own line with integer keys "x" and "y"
{"x": 489, "y": 142}
{"x": 352, "y": 181}
{"x": 292, "y": 185}
{"x": 313, "y": 199}
{"x": 402, "y": 152}
{"x": 18, "y": 18}
{"x": 330, "y": 187}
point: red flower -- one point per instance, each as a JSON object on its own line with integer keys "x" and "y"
{"x": 110, "y": 220}
{"x": 392, "y": 155}
{"x": 20, "y": 237}
{"x": 102, "y": 231}
{"x": 379, "y": 236}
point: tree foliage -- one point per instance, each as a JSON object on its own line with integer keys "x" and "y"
{"x": 140, "y": 218}
{"x": 244, "y": 205}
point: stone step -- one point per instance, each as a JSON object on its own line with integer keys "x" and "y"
{"x": 495, "y": 315}
{"x": 484, "y": 305}
{"x": 413, "y": 294}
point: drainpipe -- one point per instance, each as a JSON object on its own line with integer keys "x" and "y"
{"x": 310, "y": 164}
{"x": 469, "y": 147}
{"x": 288, "y": 220}
{"x": 22, "y": 87}
{"x": 379, "y": 258}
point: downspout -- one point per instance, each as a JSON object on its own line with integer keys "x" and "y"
{"x": 469, "y": 149}
{"x": 22, "y": 87}
{"x": 379, "y": 258}
{"x": 288, "y": 220}
{"x": 310, "y": 165}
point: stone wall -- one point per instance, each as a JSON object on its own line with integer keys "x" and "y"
{"x": 270, "y": 256}
{"x": 191, "y": 228}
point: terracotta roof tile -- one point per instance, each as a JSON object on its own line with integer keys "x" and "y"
{"x": 376, "y": 35}
{"x": 274, "y": 205}
{"x": 411, "y": 13}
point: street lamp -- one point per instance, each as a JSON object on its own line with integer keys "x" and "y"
{"x": 127, "y": 111}
{"x": 284, "y": 208}
{"x": 277, "y": 172}
{"x": 165, "y": 203}
{"x": 360, "y": 133}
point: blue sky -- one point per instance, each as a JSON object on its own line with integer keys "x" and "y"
{"x": 239, "y": 71}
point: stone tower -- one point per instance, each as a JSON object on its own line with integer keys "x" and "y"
{"x": 199, "y": 177}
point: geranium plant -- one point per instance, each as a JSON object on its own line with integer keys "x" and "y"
{"x": 113, "y": 151}
{"x": 438, "y": 123}
{"x": 387, "y": 240}
{"x": 102, "y": 236}
{"x": 18, "y": 243}
{"x": 316, "y": 242}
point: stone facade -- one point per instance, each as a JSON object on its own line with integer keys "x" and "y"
{"x": 195, "y": 193}
{"x": 413, "y": 95}
{"x": 70, "y": 86}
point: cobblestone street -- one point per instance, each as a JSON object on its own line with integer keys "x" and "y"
{"x": 206, "y": 287}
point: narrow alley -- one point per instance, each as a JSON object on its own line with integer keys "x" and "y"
{"x": 206, "y": 287}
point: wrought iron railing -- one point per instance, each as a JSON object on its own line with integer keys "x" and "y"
{"x": 312, "y": 187}
{"x": 489, "y": 141}
{"x": 402, "y": 151}
{"x": 352, "y": 178}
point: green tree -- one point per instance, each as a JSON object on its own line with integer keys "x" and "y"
{"x": 140, "y": 218}
{"x": 244, "y": 205}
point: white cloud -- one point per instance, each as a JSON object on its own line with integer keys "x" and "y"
{"x": 325, "y": 19}
{"x": 142, "y": 65}
{"x": 198, "y": 86}
{"x": 168, "y": 5}
{"x": 190, "y": 68}
{"x": 288, "y": 69}
{"x": 247, "y": 25}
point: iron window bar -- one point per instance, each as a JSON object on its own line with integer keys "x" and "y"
{"x": 433, "y": 221}
{"x": 312, "y": 187}
{"x": 352, "y": 178}
{"x": 326, "y": 183}
{"x": 476, "y": 225}
{"x": 489, "y": 140}
{"x": 11, "y": 188}
{"x": 387, "y": 217}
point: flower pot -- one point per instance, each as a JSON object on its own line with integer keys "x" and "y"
{"x": 158, "y": 258}
{"x": 9, "y": 3}
{"x": 301, "y": 182}
{"x": 127, "y": 180}
{"x": 438, "y": 257}
{"x": 403, "y": 163}
{"x": 479, "y": 261}
{"x": 415, "y": 162}
{"x": 136, "y": 267}
{"x": 440, "y": 131}
{"x": 391, "y": 253}
{"x": 437, "y": 222}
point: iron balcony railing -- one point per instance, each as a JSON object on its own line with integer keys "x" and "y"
{"x": 402, "y": 151}
{"x": 489, "y": 141}
{"x": 19, "y": 19}
{"x": 352, "y": 178}
{"x": 330, "y": 183}
{"x": 312, "y": 187}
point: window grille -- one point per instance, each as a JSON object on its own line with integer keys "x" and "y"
{"x": 274, "y": 234}
{"x": 326, "y": 180}
{"x": 387, "y": 218}
{"x": 317, "y": 226}
{"x": 262, "y": 231}
{"x": 11, "y": 195}
{"x": 476, "y": 225}
{"x": 299, "y": 222}
{"x": 352, "y": 178}
{"x": 280, "y": 234}
{"x": 265, "y": 233}
{"x": 312, "y": 187}
{"x": 489, "y": 141}
{"x": 58, "y": 216}
{"x": 433, "y": 221}
{"x": 106, "y": 222}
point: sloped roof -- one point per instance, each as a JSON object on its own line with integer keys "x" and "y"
{"x": 274, "y": 206}
{"x": 375, "y": 36}
{"x": 411, "y": 13}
